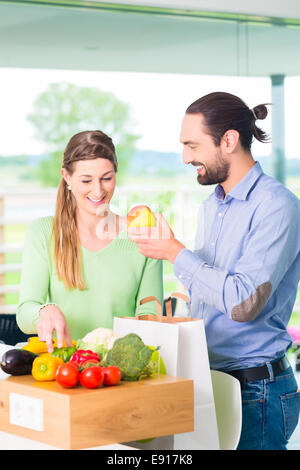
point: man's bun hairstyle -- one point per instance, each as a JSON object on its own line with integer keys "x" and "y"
{"x": 223, "y": 111}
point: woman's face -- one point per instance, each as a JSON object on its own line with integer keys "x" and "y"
{"x": 92, "y": 182}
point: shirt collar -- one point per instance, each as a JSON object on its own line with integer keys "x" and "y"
{"x": 242, "y": 189}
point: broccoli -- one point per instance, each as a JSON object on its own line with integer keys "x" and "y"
{"x": 132, "y": 356}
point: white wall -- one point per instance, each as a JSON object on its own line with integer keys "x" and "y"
{"x": 276, "y": 8}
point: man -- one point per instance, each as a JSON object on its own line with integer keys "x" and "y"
{"x": 243, "y": 278}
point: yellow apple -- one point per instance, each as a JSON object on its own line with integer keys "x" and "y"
{"x": 141, "y": 216}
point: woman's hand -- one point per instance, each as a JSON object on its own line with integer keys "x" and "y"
{"x": 52, "y": 318}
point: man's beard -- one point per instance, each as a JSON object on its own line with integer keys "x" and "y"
{"x": 215, "y": 175}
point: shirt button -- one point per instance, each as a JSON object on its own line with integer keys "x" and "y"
{"x": 220, "y": 214}
{"x": 212, "y": 243}
{"x": 180, "y": 276}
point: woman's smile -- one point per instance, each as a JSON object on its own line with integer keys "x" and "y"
{"x": 96, "y": 202}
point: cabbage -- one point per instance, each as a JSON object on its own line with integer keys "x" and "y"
{"x": 100, "y": 341}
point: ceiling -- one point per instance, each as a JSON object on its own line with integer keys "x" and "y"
{"x": 268, "y": 8}
{"x": 47, "y": 36}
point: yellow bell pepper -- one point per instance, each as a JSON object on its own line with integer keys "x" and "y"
{"x": 39, "y": 347}
{"x": 64, "y": 343}
{"x": 44, "y": 367}
{"x": 35, "y": 345}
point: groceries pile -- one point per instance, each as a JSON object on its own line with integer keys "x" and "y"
{"x": 101, "y": 358}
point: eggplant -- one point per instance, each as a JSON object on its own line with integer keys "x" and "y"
{"x": 17, "y": 361}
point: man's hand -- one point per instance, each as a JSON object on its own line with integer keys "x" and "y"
{"x": 156, "y": 242}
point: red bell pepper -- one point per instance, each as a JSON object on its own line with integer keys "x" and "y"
{"x": 82, "y": 355}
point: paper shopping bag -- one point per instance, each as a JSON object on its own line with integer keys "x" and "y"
{"x": 168, "y": 318}
{"x": 154, "y": 331}
{"x": 183, "y": 349}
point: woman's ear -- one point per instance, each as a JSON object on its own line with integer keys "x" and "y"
{"x": 230, "y": 140}
{"x": 65, "y": 175}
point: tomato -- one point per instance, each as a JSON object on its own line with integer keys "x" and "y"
{"x": 92, "y": 377}
{"x": 67, "y": 375}
{"x": 112, "y": 375}
{"x": 89, "y": 361}
{"x": 74, "y": 364}
{"x": 82, "y": 355}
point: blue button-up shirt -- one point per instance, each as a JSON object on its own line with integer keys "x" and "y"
{"x": 243, "y": 275}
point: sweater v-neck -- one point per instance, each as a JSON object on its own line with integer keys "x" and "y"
{"x": 105, "y": 247}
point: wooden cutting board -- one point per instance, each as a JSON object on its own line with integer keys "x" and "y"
{"x": 79, "y": 418}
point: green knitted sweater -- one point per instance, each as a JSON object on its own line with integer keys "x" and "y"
{"x": 117, "y": 278}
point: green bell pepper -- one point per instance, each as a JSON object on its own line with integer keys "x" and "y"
{"x": 64, "y": 353}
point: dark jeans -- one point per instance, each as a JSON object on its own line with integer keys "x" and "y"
{"x": 270, "y": 412}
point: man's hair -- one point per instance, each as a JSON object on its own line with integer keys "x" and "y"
{"x": 223, "y": 111}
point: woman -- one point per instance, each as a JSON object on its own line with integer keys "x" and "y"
{"x": 79, "y": 267}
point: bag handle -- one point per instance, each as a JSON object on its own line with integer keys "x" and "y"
{"x": 179, "y": 295}
{"x": 146, "y": 300}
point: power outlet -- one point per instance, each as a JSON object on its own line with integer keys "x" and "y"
{"x": 26, "y": 411}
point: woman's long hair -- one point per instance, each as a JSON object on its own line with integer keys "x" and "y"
{"x": 86, "y": 145}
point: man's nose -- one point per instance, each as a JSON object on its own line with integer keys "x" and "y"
{"x": 187, "y": 158}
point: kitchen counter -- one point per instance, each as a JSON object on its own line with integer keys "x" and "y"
{"x": 13, "y": 442}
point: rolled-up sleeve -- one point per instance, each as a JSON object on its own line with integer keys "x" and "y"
{"x": 269, "y": 249}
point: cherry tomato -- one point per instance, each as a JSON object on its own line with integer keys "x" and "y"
{"x": 112, "y": 375}
{"x": 92, "y": 377}
{"x": 67, "y": 375}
